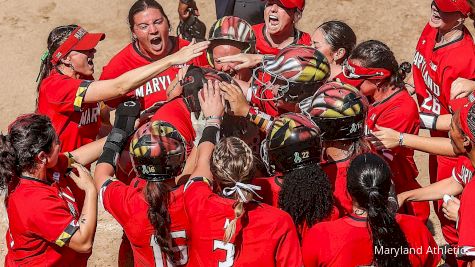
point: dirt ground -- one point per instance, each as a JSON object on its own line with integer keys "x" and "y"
{"x": 24, "y": 27}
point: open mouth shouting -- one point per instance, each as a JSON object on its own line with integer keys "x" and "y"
{"x": 156, "y": 43}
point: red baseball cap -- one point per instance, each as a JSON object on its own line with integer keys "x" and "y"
{"x": 448, "y": 6}
{"x": 298, "y": 4}
{"x": 467, "y": 120}
{"x": 79, "y": 40}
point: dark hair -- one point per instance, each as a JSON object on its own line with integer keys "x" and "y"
{"x": 339, "y": 35}
{"x": 27, "y": 136}
{"x": 306, "y": 195}
{"x": 142, "y": 5}
{"x": 375, "y": 54}
{"x": 369, "y": 183}
{"x": 55, "y": 39}
{"x": 157, "y": 196}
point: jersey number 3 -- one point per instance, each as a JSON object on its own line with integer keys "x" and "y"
{"x": 229, "y": 248}
{"x": 157, "y": 251}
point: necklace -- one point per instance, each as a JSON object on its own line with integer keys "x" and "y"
{"x": 449, "y": 36}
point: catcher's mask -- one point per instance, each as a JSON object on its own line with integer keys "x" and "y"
{"x": 339, "y": 110}
{"x": 157, "y": 151}
{"x": 193, "y": 82}
{"x": 297, "y": 72}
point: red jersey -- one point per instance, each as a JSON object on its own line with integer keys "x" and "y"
{"x": 43, "y": 216}
{"x": 336, "y": 172}
{"x": 128, "y": 206}
{"x": 466, "y": 224}
{"x": 434, "y": 69}
{"x": 153, "y": 90}
{"x": 347, "y": 242}
{"x": 463, "y": 171}
{"x": 264, "y": 47}
{"x": 265, "y": 236}
{"x": 177, "y": 114}
{"x": 61, "y": 99}
{"x": 400, "y": 112}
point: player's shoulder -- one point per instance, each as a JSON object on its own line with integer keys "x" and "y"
{"x": 272, "y": 215}
{"x": 30, "y": 195}
{"x": 258, "y": 30}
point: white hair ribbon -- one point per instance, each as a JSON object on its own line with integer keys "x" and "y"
{"x": 228, "y": 191}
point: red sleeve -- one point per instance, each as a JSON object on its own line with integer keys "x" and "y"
{"x": 288, "y": 251}
{"x": 116, "y": 200}
{"x": 453, "y": 70}
{"x": 66, "y": 95}
{"x": 466, "y": 224}
{"x": 52, "y": 219}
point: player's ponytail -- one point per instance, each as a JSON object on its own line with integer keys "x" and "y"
{"x": 369, "y": 183}
{"x": 55, "y": 39}
{"x": 306, "y": 195}
{"x": 157, "y": 196}
{"x": 27, "y": 136}
{"x": 232, "y": 165}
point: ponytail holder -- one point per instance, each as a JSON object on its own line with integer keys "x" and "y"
{"x": 44, "y": 56}
{"x": 228, "y": 191}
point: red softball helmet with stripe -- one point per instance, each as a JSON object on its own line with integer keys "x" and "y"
{"x": 339, "y": 110}
{"x": 292, "y": 142}
{"x": 157, "y": 151}
{"x": 297, "y": 71}
{"x": 231, "y": 29}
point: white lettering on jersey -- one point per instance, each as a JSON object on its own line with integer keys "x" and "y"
{"x": 465, "y": 175}
{"x": 154, "y": 85}
{"x": 90, "y": 115}
{"x": 420, "y": 63}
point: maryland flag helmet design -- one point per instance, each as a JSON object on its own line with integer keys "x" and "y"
{"x": 292, "y": 142}
{"x": 231, "y": 29}
{"x": 157, "y": 151}
{"x": 339, "y": 110}
{"x": 300, "y": 71}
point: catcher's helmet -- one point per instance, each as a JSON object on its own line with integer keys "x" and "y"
{"x": 157, "y": 151}
{"x": 299, "y": 69}
{"x": 193, "y": 82}
{"x": 292, "y": 142}
{"x": 232, "y": 29}
{"x": 339, "y": 110}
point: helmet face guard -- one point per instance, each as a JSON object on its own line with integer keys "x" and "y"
{"x": 274, "y": 81}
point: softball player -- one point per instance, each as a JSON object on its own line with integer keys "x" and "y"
{"x": 150, "y": 209}
{"x": 299, "y": 187}
{"x": 364, "y": 237}
{"x": 45, "y": 226}
{"x": 229, "y": 228}
{"x": 150, "y": 27}
{"x": 374, "y": 69}
{"x": 278, "y": 30}
{"x": 444, "y": 52}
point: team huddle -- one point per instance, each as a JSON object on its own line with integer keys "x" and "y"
{"x": 262, "y": 145}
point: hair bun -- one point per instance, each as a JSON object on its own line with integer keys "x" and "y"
{"x": 405, "y": 67}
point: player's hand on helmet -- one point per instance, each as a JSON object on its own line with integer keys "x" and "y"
{"x": 384, "y": 138}
{"x": 245, "y": 61}
{"x": 211, "y": 100}
{"x": 451, "y": 209}
{"x": 84, "y": 179}
{"x": 186, "y": 8}
{"x": 234, "y": 95}
{"x": 461, "y": 88}
{"x": 175, "y": 88}
{"x": 189, "y": 52}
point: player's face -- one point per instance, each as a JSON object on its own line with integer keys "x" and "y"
{"x": 222, "y": 51}
{"x": 442, "y": 20}
{"x": 321, "y": 44}
{"x": 53, "y": 155}
{"x": 82, "y": 62}
{"x": 368, "y": 87}
{"x": 151, "y": 31}
{"x": 457, "y": 138}
{"x": 277, "y": 18}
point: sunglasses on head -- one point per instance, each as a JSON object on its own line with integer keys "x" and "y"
{"x": 352, "y": 71}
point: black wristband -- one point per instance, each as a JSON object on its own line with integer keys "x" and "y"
{"x": 113, "y": 146}
{"x": 210, "y": 134}
{"x": 108, "y": 156}
{"x": 125, "y": 116}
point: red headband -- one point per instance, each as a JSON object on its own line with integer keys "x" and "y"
{"x": 464, "y": 123}
{"x": 79, "y": 40}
